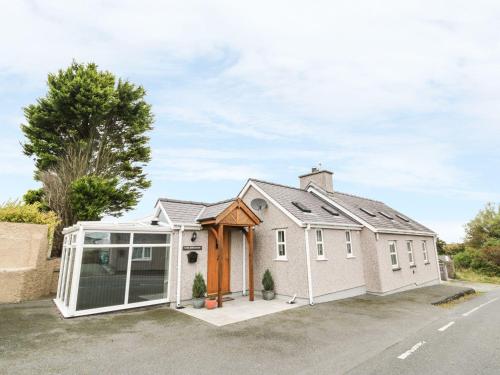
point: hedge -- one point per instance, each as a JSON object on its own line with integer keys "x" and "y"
{"x": 15, "y": 212}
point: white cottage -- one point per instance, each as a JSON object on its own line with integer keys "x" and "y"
{"x": 319, "y": 244}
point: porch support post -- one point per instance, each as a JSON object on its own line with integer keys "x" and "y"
{"x": 220, "y": 252}
{"x": 250, "y": 263}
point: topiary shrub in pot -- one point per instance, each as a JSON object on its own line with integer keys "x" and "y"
{"x": 199, "y": 290}
{"x": 268, "y": 284}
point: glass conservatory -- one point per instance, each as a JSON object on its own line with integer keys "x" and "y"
{"x": 109, "y": 266}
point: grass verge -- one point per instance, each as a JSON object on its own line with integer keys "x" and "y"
{"x": 470, "y": 275}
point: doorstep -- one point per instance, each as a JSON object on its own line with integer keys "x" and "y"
{"x": 240, "y": 309}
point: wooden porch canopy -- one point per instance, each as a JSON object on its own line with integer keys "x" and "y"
{"x": 238, "y": 215}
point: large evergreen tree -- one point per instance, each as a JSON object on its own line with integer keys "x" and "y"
{"x": 87, "y": 137}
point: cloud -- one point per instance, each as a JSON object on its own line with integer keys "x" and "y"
{"x": 399, "y": 95}
{"x": 447, "y": 230}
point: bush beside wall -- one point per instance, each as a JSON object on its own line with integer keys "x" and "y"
{"x": 15, "y": 212}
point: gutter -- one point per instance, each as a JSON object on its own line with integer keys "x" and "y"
{"x": 308, "y": 264}
{"x": 179, "y": 266}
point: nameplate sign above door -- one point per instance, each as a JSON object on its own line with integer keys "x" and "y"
{"x": 191, "y": 248}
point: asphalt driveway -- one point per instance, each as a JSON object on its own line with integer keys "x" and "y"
{"x": 331, "y": 337}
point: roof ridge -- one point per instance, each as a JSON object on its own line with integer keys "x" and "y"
{"x": 357, "y": 196}
{"x": 276, "y": 184}
{"x": 183, "y": 201}
{"x": 220, "y": 202}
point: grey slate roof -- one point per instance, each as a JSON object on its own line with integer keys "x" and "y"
{"x": 285, "y": 195}
{"x": 211, "y": 211}
{"x": 354, "y": 204}
{"x": 182, "y": 211}
{"x": 189, "y": 212}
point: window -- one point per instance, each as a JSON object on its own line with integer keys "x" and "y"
{"x": 319, "y": 244}
{"x": 141, "y": 253}
{"x": 386, "y": 215}
{"x": 403, "y": 218}
{"x": 409, "y": 248}
{"x": 394, "y": 254}
{"x": 367, "y": 212}
{"x": 330, "y": 211}
{"x": 281, "y": 243}
{"x": 424, "y": 251}
{"x": 348, "y": 243}
{"x": 301, "y": 207}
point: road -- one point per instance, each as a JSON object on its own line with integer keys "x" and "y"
{"x": 467, "y": 341}
{"x": 360, "y": 335}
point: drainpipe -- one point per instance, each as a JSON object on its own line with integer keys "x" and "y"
{"x": 308, "y": 264}
{"x": 244, "y": 284}
{"x": 179, "y": 266}
{"x": 437, "y": 259}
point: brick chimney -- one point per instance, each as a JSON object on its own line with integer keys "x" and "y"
{"x": 321, "y": 177}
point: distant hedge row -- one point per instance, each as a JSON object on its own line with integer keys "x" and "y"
{"x": 485, "y": 261}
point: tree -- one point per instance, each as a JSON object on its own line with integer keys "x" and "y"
{"x": 87, "y": 137}
{"x": 441, "y": 246}
{"x": 484, "y": 228}
{"x": 36, "y": 196}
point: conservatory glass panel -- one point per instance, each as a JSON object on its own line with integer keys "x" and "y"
{"x": 69, "y": 278}
{"x": 106, "y": 238}
{"x": 150, "y": 238}
{"x": 148, "y": 277}
{"x": 103, "y": 277}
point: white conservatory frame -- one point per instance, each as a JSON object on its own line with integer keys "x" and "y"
{"x": 67, "y": 289}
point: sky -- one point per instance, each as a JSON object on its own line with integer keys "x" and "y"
{"x": 400, "y": 99}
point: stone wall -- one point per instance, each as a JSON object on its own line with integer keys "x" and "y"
{"x": 25, "y": 271}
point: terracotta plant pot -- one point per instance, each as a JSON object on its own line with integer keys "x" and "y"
{"x": 210, "y": 304}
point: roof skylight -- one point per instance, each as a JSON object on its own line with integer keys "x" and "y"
{"x": 386, "y": 215}
{"x": 403, "y": 218}
{"x": 330, "y": 211}
{"x": 301, "y": 207}
{"x": 367, "y": 212}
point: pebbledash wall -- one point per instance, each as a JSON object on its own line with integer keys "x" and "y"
{"x": 25, "y": 271}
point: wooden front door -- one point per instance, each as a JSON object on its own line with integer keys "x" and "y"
{"x": 212, "y": 272}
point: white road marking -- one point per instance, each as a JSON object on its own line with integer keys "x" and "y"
{"x": 443, "y": 328}
{"x": 478, "y": 307}
{"x": 412, "y": 350}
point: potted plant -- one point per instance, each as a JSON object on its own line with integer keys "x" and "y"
{"x": 199, "y": 290}
{"x": 268, "y": 284}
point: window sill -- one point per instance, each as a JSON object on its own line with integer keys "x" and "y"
{"x": 321, "y": 259}
{"x": 396, "y": 269}
{"x": 351, "y": 256}
{"x": 427, "y": 263}
{"x": 280, "y": 260}
{"x": 413, "y": 266}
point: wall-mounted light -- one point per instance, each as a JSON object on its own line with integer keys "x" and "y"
{"x": 193, "y": 237}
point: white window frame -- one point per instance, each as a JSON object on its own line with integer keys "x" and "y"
{"x": 394, "y": 266}
{"x": 66, "y": 302}
{"x": 320, "y": 244}
{"x": 348, "y": 244}
{"x": 411, "y": 255}
{"x": 281, "y": 243}
{"x": 142, "y": 258}
{"x": 425, "y": 252}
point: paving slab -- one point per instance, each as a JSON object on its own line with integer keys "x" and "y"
{"x": 240, "y": 309}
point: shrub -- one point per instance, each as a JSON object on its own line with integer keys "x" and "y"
{"x": 482, "y": 261}
{"x": 199, "y": 286}
{"x": 454, "y": 248}
{"x": 15, "y": 212}
{"x": 492, "y": 254}
{"x": 267, "y": 281}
